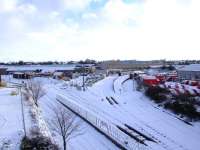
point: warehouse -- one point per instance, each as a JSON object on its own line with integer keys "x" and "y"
{"x": 20, "y": 75}
{"x": 189, "y": 72}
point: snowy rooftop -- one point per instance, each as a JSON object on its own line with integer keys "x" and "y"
{"x": 58, "y": 73}
{"x": 192, "y": 67}
{"x": 148, "y": 77}
{"x": 139, "y": 72}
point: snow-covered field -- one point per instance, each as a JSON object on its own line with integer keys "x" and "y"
{"x": 111, "y": 99}
{"x": 11, "y": 129}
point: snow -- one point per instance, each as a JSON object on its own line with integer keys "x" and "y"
{"x": 11, "y": 126}
{"x": 20, "y": 73}
{"x": 118, "y": 83}
{"x": 45, "y": 68}
{"x": 58, "y": 73}
{"x": 139, "y": 72}
{"x": 11, "y": 130}
{"x": 89, "y": 140}
{"x": 35, "y": 120}
{"x": 182, "y": 87}
{"x": 137, "y": 111}
{"x": 132, "y": 108}
{"x": 147, "y": 77}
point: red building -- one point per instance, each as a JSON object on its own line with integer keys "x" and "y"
{"x": 161, "y": 77}
{"x": 150, "y": 80}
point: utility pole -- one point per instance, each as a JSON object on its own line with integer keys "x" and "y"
{"x": 22, "y": 110}
{"x": 83, "y": 69}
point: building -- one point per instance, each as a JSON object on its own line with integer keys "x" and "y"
{"x": 2, "y": 72}
{"x": 130, "y": 64}
{"x": 20, "y": 75}
{"x": 189, "y": 72}
{"x": 85, "y": 68}
{"x": 58, "y": 75}
{"x": 150, "y": 80}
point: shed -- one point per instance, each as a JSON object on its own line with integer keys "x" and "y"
{"x": 58, "y": 75}
{"x": 20, "y": 75}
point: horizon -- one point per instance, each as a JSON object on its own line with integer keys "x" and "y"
{"x": 97, "y": 61}
{"x": 33, "y": 30}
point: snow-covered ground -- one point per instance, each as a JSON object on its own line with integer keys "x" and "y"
{"x": 112, "y": 99}
{"x": 11, "y": 129}
{"x": 89, "y": 139}
{"x": 137, "y": 111}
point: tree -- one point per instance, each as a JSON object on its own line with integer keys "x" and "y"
{"x": 38, "y": 143}
{"x": 36, "y": 90}
{"x": 65, "y": 124}
{"x": 157, "y": 93}
{"x": 171, "y": 67}
{"x": 21, "y": 62}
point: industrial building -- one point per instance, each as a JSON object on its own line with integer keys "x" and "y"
{"x": 189, "y": 72}
{"x": 129, "y": 64}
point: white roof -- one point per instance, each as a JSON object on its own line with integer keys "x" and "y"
{"x": 18, "y": 73}
{"x": 139, "y": 72}
{"x": 147, "y": 77}
{"x": 57, "y": 73}
{"x": 192, "y": 67}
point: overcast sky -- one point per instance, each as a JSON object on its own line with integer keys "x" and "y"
{"x": 35, "y": 30}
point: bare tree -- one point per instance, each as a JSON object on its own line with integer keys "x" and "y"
{"x": 65, "y": 124}
{"x": 36, "y": 90}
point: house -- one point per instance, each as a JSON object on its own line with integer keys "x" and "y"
{"x": 189, "y": 72}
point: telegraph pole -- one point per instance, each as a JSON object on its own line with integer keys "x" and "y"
{"x": 83, "y": 69}
{"x": 22, "y": 110}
